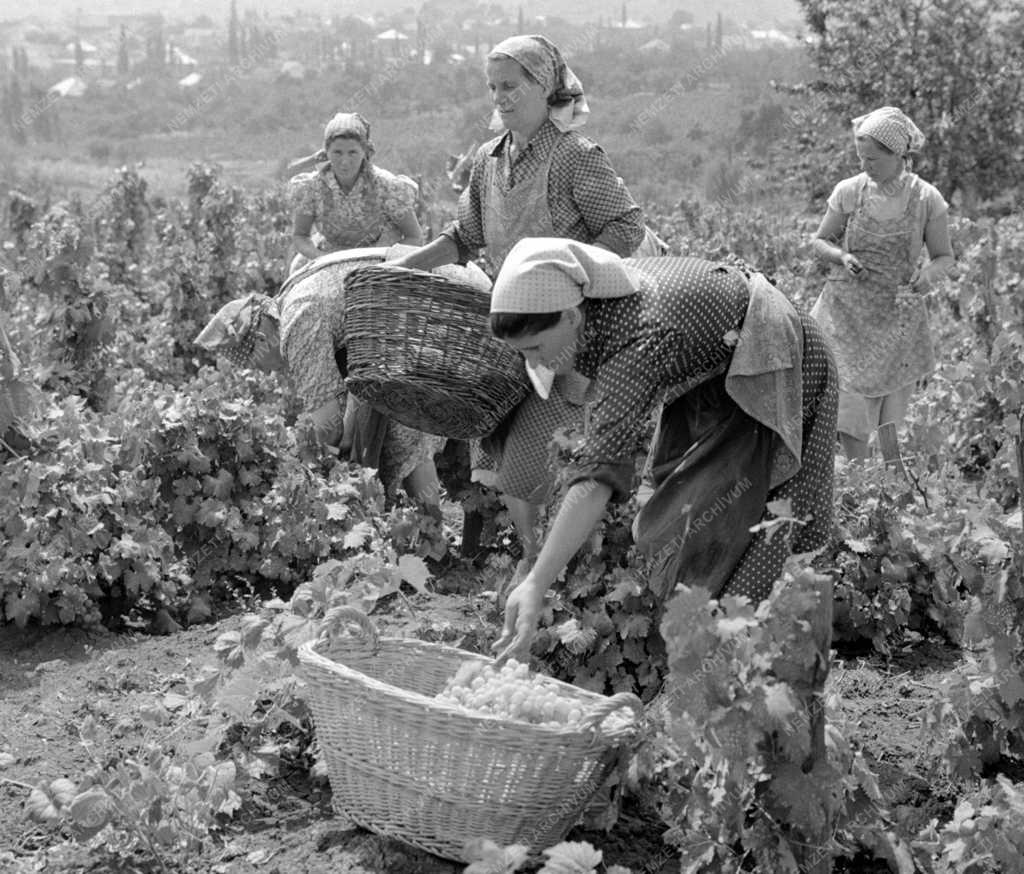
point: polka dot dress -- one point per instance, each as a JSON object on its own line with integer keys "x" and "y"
{"x": 672, "y": 335}
{"x": 658, "y": 344}
{"x": 810, "y": 490}
{"x": 668, "y": 339}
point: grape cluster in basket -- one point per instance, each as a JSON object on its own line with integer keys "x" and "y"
{"x": 511, "y": 692}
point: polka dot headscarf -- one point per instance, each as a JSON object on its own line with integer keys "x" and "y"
{"x": 551, "y": 274}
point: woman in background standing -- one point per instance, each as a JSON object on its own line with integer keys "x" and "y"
{"x": 873, "y": 305}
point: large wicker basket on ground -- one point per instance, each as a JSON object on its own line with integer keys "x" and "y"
{"x": 435, "y": 776}
{"x": 419, "y": 350}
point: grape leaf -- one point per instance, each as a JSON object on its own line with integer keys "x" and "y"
{"x": 574, "y": 636}
{"x": 358, "y": 535}
{"x": 571, "y": 857}
{"x": 780, "y": 702}
{"x": 337, "y": 510}
{"x": 635, "y": 625}
{"x": 1011, "y": 690}
{"x": 808, "y": 798}
{"x": 90, "y": 809}
{"x": 47, "y": 803}
{"x": 486, "y": 857}
{"x": 415, "y": 572}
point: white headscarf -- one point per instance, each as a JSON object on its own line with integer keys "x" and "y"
{"x": 552, "y": 274}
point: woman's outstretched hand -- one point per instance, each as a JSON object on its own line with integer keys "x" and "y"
{"x": 925, "y": 278}
{"x": 522, "y": 611}
{"x": 851, "y": 265}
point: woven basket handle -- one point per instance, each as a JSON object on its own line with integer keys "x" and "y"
{"x": 607, "y": 707}
{"x": 338, "y": 617}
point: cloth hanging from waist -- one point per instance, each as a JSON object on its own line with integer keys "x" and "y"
{"x": 710, "y": 469}
{"x": 765, "y": 376}
{"x": 370, "y": 427}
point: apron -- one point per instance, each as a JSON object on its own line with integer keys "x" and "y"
{"x": 710, "y": 465}
{"x": 877, "y": 325}
{"x": 524, "y": 470}
{"x": 522, "y": 211}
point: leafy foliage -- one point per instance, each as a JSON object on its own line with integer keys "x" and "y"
{"x": 600, "y": 630}
{"x": 80, "y": 532}
{"x": 741, "y": 784}
{"x": 979, "y": 717}
{"x": 955, "y": 66}
{"x": 156, "y": 483}
{"x": 150, "y": 801}
{"x": 985, "y": 835}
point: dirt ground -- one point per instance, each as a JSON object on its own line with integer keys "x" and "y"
{"x": 50, "y": 680}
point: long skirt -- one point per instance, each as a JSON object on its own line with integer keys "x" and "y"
{"x": 711, "y": 466}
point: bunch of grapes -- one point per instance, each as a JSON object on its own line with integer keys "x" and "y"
{"x": 511, "y": 692}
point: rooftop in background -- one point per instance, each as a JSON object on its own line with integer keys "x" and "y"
{"x": 752, "y": 13}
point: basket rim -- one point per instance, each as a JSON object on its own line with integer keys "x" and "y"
{"x": 310, "y": 657}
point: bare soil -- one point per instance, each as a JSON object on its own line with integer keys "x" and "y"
{"x": 51, "y": 679}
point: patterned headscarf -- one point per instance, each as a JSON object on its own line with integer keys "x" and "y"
{"x": 550, "y": 274}
{"x": 232, "y": 332}
{"x": 541, "y": 58}
{"x": 891, "y": 128}
{"x": 351, "y": 125}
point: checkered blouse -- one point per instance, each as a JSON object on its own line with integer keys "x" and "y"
{"x": 587, "y": 199}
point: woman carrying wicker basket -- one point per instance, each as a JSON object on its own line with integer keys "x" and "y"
{"x": 748, "y": 394}
{"x": 301, "y": 333}
{"x": 540, "y": 177}
{"x": 352, "y": 202}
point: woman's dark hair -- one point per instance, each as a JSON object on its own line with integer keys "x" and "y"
{"x": 504, "y": 325}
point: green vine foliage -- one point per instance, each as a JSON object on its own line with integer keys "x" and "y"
{"x": 985, "y": 835}
{"x": 82, "y": 541}
{"x": 600, "y": 631}
{"x": 978, "y": 719}
{"x": 120, "y": 221}
{"x": 737, "y": 774}
{"x": 70, "y": 318}
{"x": 151, "y": 801}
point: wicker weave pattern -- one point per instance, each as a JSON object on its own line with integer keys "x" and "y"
{"x": 404, "y": 765}
{"x": 420, "y": 351}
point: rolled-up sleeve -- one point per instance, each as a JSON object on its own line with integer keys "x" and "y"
{"x": 302, "y": 194}
{"x": 467, "y": 229}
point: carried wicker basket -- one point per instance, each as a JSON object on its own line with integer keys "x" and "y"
{"x": 419, "y": 350}
{"x": 436, "y": 776}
